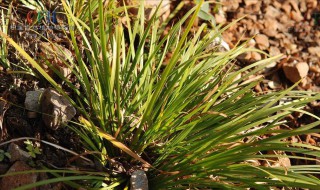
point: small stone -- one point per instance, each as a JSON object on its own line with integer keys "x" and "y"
{"x": 286, "y": 7}
{"x": 272, "y": 12}
{"x": 252, "y": 43}
{"x": 315, "y": 70}
{"x": 274, "y": 51}
{"x": 14, "y": 181}
{"x": 274, "y": 85}
{"x": 17, "y": 154}
{"x": 255, "y": 56}
{"x": 296, "y": 16}
{"x": 56, "y": 110}
{"x": 271, "y": 27}
{"x": 303, "y": 6}
{"x": 139, "y": 180}
{"x": 296, "y": 72}
{"x": 251, "y": 2}
{"x": 277, "y": 5}
{"x": 32, "y": 101}
{"x": 220, "y": 18}
{"x": 262, "y": 41}
{"x": 314, "y": 50}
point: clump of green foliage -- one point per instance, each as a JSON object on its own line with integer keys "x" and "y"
{"x": 4, "y": 154}
{"x": 33, "y": 150}
{"x": 191, "y": 124}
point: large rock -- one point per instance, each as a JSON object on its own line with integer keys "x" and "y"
{"x": 14, "y": 181}
{"x": 295, "y": 72}
{"x": 139, "y": 180}
{"x": 56, "y": 109}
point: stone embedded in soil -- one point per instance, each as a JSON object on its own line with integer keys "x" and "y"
{"x": 14, "y": 181}
{"x": 17, "y": 154}
{"x": 295, "y": 72}
{"x": 32, "y": 102}
{"x": 262, "y": 41}
{"x": 139, "y": 180}
{"x": 56, "y": 109}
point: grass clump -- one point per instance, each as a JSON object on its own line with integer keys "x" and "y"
{"x": 191, "y": 124}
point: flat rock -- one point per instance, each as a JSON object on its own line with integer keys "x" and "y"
{"x": 56, "y": 110}
{"x": 295, "y": 72}
{"x": 139, "y": 180}
{"x": 14, "y": 181}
